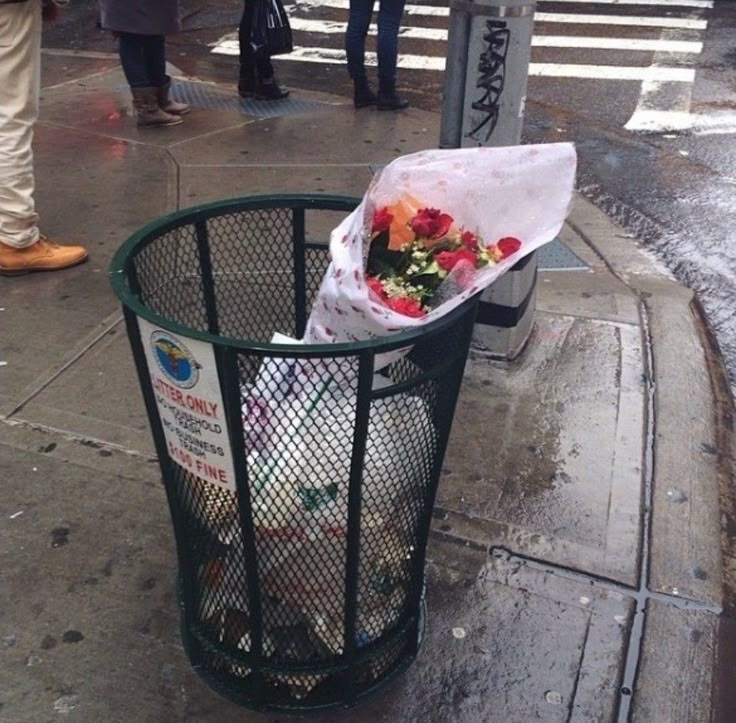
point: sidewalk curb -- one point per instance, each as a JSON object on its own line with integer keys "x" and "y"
{"x": 724, "y": 412}
{"x": 711, "y": 463}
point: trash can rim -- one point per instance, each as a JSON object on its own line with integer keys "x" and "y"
{"x": 122, "y": 258}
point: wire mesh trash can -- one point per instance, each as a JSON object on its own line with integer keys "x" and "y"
{"x": 301, "y": 479}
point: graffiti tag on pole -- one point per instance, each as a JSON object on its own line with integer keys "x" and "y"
{"x": 491, "y": 79}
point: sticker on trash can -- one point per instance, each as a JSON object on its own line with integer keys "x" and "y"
{"x": 189, "y": 400}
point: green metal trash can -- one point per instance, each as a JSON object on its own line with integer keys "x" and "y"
{"x": 300, "y": 479}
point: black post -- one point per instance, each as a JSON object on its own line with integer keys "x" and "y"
{"x": 352, "y": 567}
{"x": 227, "y": 367}
{"x": 300, "y": 282}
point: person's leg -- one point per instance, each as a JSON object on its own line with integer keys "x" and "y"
{"x": 133, "y": 59}
{"x": 389, "y": 20}
{"x": 142, "y": 67}
{"x": 359, "y": 22}
{"x": 256, "y": 70}
{"x": 154, "y": 53}
{"x": 22, "y": 248}
{"x": 19, "y": 45}
{"x": 247, "y": 80}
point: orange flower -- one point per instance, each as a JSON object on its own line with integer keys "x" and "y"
{"x": 400, "y": 231}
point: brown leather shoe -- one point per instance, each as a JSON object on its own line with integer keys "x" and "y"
{"x": 41, "y": 256}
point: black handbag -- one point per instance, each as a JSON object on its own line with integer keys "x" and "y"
{"x": 271, "y": 32}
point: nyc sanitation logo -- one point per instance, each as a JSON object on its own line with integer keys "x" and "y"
{"x": 175, "y": 360}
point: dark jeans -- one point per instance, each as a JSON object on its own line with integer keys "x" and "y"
{"x": 389, "y": 18}
{"x": 143, "y": 58}
{"x": 254, "y": 67}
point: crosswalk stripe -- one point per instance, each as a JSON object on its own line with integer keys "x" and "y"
{"x": 556, "y": 70}
{"x": 612, "y": 72}
{"x": 702, "y": 4}
{"x": 642, "y": 21}
{"x": 332, "y": 27}
{"x": 540, "y": 17}
{"x": 651, "y": 45}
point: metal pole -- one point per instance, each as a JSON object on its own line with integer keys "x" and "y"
{"x": 489, "y": 47}
{"x": 488, "y": 53}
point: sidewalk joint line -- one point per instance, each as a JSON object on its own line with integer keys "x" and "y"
{"x": 636, "y": 631}
{"x": 109, "y": 325}
{"x": 96, "y": 134}
{"x": 91, "y": 442}
{"x": 210, "y": 134}
{"x": 75, "y": 81}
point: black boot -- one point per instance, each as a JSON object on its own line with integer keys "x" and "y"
{"x": 246, "y": 82}
{"x": 269, "y": 89}
{"x": 363, "y": 94}
{"x": 387, "y": 98}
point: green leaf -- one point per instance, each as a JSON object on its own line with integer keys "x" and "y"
{"x": 428, "y": 281}
{"x": 382, "y": 261}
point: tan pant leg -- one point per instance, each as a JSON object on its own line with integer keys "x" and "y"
{"x": 20, "y": 70}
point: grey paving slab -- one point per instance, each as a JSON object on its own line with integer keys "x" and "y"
{"x": 547, "y": 451}
{"x": 97, "y": 398}
{"x": 589, "y": 294}
{"x": 97, "y": 637}
{"x": 67, "y": 67}
{"x": 340, "y": 136}
{"x": 96, "y": 198}
{"x": 593, "y": 293}
{"x": 676, "y": 672}
{"x": 91, "y": 561}
{"x": 202, "y": 184}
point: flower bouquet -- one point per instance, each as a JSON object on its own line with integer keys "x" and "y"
{"x": 435, "y": 228}
{"x": 413, "y": 250}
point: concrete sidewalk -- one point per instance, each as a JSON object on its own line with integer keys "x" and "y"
{"x": 581, "y": 537}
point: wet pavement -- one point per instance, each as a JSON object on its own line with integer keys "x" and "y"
{"x": 577, "y": 554}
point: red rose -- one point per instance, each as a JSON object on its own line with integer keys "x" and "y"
{"x": 508, "y": 246}
{"x": 407, "y": 307}
{"x": 431, "y": 223}
{"x": 469, "y": 240}
{"x": 375, "y": 285}
{"x": 448, "y": 260}
{"x": 381, "y": 220}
